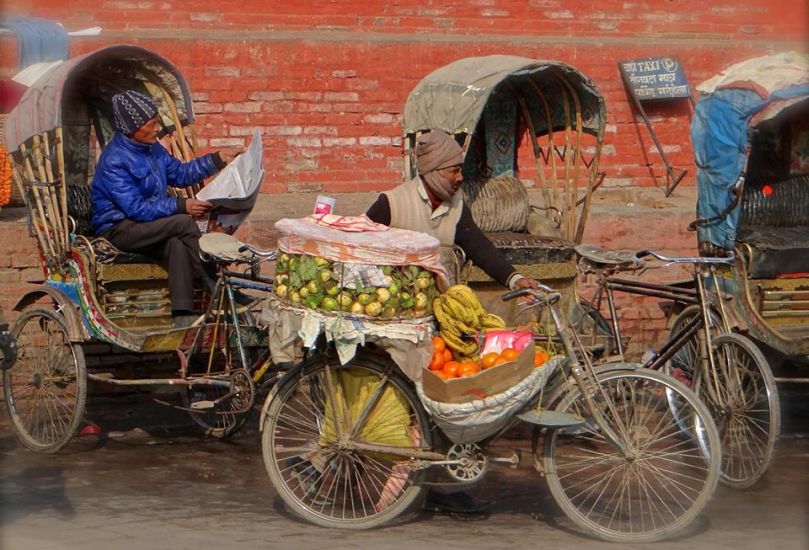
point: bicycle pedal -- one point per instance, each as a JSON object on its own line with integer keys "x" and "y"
{"x": 513, "y": 460}
{"x": 203, "y": 405}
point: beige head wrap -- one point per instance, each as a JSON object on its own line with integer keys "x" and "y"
{"x": 434, "y": 151}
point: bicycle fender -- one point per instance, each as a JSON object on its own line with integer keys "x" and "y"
{"x": 64, "y": 305}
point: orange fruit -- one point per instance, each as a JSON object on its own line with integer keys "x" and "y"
{"x": 510, "y": 354}
{"x": 441, "y": 374}
{"x": 451, "y": 369}
{"x": 488, "y": 359}
{"x": 499, "y": 361}
{"x": 540, "y": 358}
{"x": 437, "y": 363}
{"x": 447, "y": 355}
{"x": 438, "y": 344}
{"x": 468, "y": 368}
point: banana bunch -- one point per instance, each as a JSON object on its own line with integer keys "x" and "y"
{"x": 459, "y": 313}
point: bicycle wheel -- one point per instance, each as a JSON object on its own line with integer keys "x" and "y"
{"x": 309, "y": 433}
{"x": 745, "y": 405}
{"x": 659, "y": 484}
{"x": 46, "y": 389}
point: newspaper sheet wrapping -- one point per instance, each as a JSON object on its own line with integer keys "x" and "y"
{"x": 408, "y": 342}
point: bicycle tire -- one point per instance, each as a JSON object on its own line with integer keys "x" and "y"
{"x": 743, "y": 464}
{"x": 50, "y": 376}
{"x": 747, "y": 412}
{"x": 644, "y": 419}
{"x": 296, "y": 413}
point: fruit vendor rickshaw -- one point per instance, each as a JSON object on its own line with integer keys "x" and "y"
{"x": 406, "y": 381}
{"x": 95, "y": 294}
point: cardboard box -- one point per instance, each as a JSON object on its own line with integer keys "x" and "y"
{"x": 484, "y": 384}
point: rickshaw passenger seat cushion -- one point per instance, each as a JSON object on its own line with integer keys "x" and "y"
{"x": 776, "y": 250}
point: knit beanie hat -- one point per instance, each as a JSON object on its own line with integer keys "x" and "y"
{"x": 436, "y": 150}
{"x": 132, "y": 110}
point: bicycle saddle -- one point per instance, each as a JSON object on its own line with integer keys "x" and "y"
{"x": 606, "y": 258}
{"x": 222, "y": 247}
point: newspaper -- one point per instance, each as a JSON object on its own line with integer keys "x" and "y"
{"x": 234, "y": 190}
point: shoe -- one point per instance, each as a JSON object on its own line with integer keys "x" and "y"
{"x": 455, "y": 503}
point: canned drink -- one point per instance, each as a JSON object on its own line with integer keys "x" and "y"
{"x": 324, "y": 205}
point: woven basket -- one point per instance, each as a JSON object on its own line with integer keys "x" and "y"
{"x": 498, "y": 204}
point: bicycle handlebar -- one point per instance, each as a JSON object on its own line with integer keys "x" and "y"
{"x": 696, "y": 260}
{"x": 546, "y": 296}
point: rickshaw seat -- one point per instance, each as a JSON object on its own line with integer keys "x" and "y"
{"x": 774, "y": 226}
{"x": 775, "y": 250}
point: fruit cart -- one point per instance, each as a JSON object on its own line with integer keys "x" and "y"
{"x": 92, "y": 293}
{"x": 522, "y": 123}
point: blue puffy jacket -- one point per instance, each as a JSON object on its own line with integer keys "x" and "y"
{"x": 132, "y": 179}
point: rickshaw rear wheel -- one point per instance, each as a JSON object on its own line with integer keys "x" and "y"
{"x": 46, "y": 389}
{"x": 313, "y": 471}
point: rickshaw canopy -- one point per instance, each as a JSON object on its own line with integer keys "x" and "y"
{"x": 739, "y": 98}
{"x": 452, "y": 98}
{"x": 60, "y": 97}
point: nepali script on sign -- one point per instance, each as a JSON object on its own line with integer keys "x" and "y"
{"x": 234, "y": 190}
{"x": 655, "y": 78}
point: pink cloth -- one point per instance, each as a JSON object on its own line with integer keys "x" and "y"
{"x": 353, "y": 224}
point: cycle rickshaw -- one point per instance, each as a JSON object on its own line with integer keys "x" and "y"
{"x": 93, "y": 293}
{"x": 353, "y": 441}
{"x": 519, "y": 120}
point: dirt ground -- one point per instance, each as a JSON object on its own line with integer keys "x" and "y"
{"x": 151, "y": 482}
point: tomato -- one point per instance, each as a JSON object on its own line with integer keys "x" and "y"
{"x": 441, "y": 374}
{"x": 499, "y": 361}
{"x": 488, "y": 359}
{"x": 437, "y": 362}
{"x": 468, "y": 368}
{"x": 438, "y": 344}
{"x": 447, "y": 355}
{"x": 540, "y": 357}
{"x": 510, "y": 354}
{"x": 451, "y": 369}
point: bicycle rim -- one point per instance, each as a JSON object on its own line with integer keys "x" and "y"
{"x": 660, "y": 485}
{"x": 319, "y": 478}
{"x": 745, "y": 405}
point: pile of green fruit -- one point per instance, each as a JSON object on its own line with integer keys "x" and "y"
{"x": 314, "y": 282}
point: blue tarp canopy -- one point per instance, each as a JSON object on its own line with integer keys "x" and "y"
{"x": 741, "y": 97}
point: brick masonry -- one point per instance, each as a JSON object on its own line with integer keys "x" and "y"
{"x": 325, "y": 81}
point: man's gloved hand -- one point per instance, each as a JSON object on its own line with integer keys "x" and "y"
{"x": 227, "y": 155}
{"x": 8, "y": 346}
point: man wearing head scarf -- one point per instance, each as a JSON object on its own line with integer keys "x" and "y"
{"x": 131, "y": 206}
{"x": 430, "y": 203}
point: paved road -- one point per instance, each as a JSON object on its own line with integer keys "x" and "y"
{"x": 164, "y": 487}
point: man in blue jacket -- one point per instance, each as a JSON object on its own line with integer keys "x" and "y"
{"x": 131, "y": 206}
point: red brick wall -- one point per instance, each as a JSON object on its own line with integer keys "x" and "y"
{"x": 326, "y": 81}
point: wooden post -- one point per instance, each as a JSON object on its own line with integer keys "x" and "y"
{"x": 54, "y": 219}
{"x": 60, "y": 165}
{"x": 529, "y": 122}
{"x": 551, "y": 146}
{"x": 576, "y": 154}
{"x": 41, "y": 225}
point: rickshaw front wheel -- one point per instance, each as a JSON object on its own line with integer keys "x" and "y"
{"x": 316, "y": 414}
{"x": 46, "y": 389}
